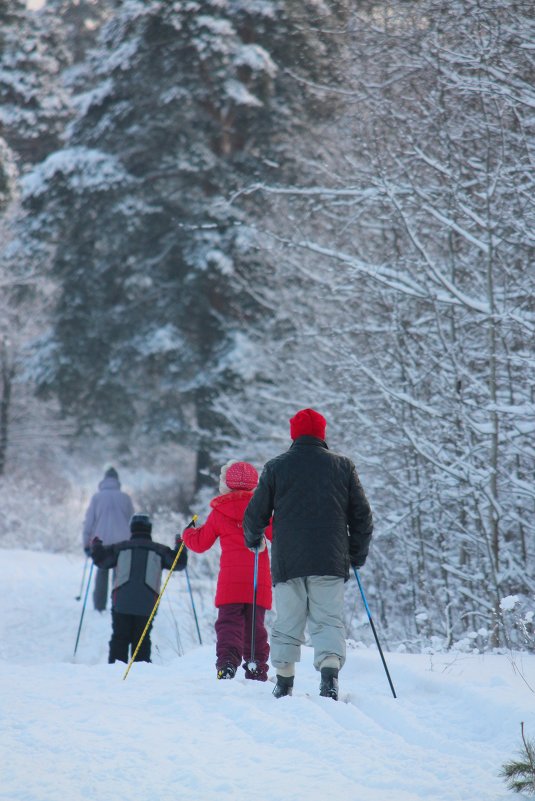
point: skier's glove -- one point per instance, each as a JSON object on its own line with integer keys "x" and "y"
{"x": 358, "y": 563}
{"x": 87, "y": 550}
{"x": 178, "y": 541}
{"x": 261, "y": 546}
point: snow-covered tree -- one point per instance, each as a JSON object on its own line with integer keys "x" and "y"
{"x": 33, "y": 105}
{"x": 184, "y": 104}
{"x": 80, "y": 22}
{"x": 34, "y": 108}
{"x": 415, "y": 244}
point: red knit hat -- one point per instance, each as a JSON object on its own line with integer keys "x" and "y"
{"x": 308, "y": 422}
{"x": 241, "y": 476}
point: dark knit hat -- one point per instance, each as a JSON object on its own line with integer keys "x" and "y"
{"x": 111, "y": 472}
{"x": 241, "y": 476}
{"x": 140, "y": 524}
{"x": 308, "y": 422}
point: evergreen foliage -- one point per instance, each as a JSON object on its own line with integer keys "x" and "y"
{"x": 80, "y": 22}
{"x": 33, "y": 105}
{"x": 184, "y": 103}
{"x": 520, "y": 773}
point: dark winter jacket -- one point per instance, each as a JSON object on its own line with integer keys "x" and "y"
{"x": 322, "y": 521}
{"x": 108, "y": 514}
{"x": 138, "y": 564}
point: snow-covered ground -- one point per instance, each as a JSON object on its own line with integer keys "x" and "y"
{"x": 73, "y": 729}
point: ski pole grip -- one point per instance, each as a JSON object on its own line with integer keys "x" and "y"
{"x": 191, "y": 524}
{"x": 362, "y": 592}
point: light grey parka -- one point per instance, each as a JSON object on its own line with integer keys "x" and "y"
{"x": 108, "y": 514}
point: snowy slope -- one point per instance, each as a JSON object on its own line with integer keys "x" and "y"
{"x": 73, "y": 729}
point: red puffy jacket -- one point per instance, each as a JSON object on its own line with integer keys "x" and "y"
{"x": 236, "y": 566}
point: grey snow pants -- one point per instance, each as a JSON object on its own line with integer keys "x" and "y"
{"x": 100, "y": 590}
{"x": 313, "y": 601}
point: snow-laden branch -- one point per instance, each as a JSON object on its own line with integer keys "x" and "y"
{"x": 435, "y": 274}
{"x": 392, "y": 279}
{"x": 368, "y": 193}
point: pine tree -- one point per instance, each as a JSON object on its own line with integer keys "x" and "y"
{"x": 34, "y": 106}
{"x": 520, "y": 773}
{"x": 34, "y": 109}
{"x": 184, "y": 106}
{"x": 80, "y": 22}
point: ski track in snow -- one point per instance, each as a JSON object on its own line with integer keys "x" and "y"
{"x": 72, "y": 729}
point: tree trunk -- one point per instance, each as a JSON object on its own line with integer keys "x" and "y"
{"x": 7, "y": 371}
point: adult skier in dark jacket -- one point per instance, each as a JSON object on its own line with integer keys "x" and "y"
{"x": 322, "y": 524}
{"x": 138, "y": 564}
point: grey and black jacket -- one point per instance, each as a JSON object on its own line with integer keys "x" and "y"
{"x": 322, "y": 521}
{"x": 138, "y": 564}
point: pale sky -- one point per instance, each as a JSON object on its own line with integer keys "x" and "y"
{"x": 34, "y": 4}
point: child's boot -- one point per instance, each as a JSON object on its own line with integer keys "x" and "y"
{"x": 226, "y": 671}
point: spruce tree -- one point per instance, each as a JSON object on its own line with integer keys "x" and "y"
{"x": 33, "y": 103}
{"x": 520, "y": 773}
{"x": 184, "y": 105}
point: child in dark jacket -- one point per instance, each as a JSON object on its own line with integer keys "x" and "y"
{"x": 138, "y": 564}
{"x": 234, "y": 593}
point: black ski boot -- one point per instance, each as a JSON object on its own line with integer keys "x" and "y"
{"x": 329, "y": 683}
{"x": 284, "y": 686}
{"x": 227, "y": 671}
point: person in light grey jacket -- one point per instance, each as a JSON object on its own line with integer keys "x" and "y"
{"x": 107, "y": 518}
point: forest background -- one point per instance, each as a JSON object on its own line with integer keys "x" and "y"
{"x": 215, "y": 213}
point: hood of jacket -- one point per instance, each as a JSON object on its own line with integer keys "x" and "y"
{"x": 232, "y": 504}
{"x": 110, "y": 483}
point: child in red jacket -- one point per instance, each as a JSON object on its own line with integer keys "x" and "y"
{"x": 234, "y": 593}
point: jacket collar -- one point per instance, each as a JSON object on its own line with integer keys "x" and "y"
{"x": 231, "y": 498}
{"x": 140, "y": 536}
{"x": 308, "y": 440}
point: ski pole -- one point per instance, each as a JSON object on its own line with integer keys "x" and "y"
{"x": 83, "y": 579}
{"x": 192, "y": 525}
{"x": 149, "y": 621}
{"x": 374, "y": 632}
{"x": 193, "y": 607}
{"x": 83, "y": 607}
{"x": 251, "y": 663}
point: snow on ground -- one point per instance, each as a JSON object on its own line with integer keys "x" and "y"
{"x": 73, "y": 729}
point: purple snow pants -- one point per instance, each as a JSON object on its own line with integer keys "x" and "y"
{"x": 233, "y": 630}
